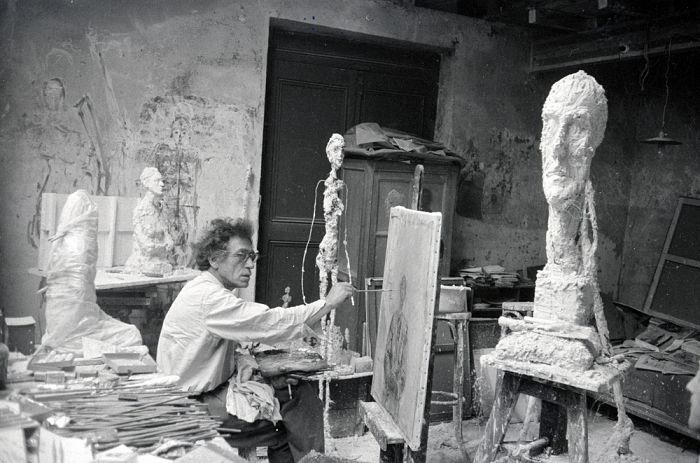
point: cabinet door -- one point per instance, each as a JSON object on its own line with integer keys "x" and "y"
{"x": 392, "y": 187}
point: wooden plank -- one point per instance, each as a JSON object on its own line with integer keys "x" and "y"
{"x": 111, "y": 234}
{"x": 600, "y": 378}
{"x": 678, "y": 271}
{"x": 506, "y": 396}
{"x": 381, "y": 425}
{"x": 659, "y": 267}
{"x": 401, "y": 366}
{"x": 578, "y": 431}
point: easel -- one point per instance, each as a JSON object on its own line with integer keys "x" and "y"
{"x": 387, "y": 434}
{"x": 564, "y": 419}
{"x": 385, "y": 428}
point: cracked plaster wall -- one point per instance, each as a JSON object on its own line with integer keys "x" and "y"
{"x": 143, "y": 64}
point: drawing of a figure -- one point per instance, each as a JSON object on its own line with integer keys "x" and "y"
{"x": 180, "y": 165}
{"x": 395, "y": 357}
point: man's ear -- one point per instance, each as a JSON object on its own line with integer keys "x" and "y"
{"x": 214, "y": 262}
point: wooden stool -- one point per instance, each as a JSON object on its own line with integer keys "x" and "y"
{"x": 558, "y": 399}
{"x": 459, "y": 321}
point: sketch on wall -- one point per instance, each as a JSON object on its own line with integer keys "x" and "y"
{"x": 65, "y": 138}
{"x": 405, "y": 327}
{"x": 179, "y": 164}
{"x": 190, "y": 138}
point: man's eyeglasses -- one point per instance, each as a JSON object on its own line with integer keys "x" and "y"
{"x": 244, "y": 256}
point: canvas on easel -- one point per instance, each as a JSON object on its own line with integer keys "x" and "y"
{"x": 405, "y": 326}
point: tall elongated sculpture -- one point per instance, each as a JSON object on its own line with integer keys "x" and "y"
{"x": 153, "y": 245}
{"x": 574, "y": 118}
{"x": 327, "y": 258}
{"x": 560, "y": 340}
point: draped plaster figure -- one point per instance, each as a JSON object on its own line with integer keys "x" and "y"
{"x": 152, "y": 242}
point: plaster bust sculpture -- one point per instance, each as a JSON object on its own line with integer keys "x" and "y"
{"x": 152, "y": 245}
{"x": 573, "y": 118}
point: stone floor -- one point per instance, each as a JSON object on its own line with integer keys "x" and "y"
{"x": 648, "y": 444}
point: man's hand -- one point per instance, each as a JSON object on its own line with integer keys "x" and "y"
{"x": 281, "y": 381}
{"x": 339, "y": 293}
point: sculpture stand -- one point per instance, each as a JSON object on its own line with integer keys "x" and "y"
{"x": 563, "y": 395}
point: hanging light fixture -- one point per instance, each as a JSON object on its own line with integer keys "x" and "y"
{"x": 662, "y": 139}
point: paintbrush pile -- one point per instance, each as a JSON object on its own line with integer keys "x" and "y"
{"x": 141, "y": 417}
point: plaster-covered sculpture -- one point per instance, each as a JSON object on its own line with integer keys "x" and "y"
{"x": 152, "y": 242}
{"x": 574, "y": 117}
{"x": 327, "y": 258}
{"x": 71, "y": 309}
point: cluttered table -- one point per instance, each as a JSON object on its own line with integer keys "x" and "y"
{"x": 107, "y": 407}
{"x": 102, "y": 409}
{"x": 116, "y": 278}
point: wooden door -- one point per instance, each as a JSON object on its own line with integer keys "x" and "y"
{"x": 317, "y": 86}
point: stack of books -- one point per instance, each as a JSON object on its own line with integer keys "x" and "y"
{"x": 489, "y": 275}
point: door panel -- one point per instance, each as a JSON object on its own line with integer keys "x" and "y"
{"x": 401, "y": 102}
{"x": 301, "y": 155}
{"x": 316, "y": 86}
{"x": 285, "y": 258}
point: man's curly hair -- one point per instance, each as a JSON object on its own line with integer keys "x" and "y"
{"x": 216, "y": 237}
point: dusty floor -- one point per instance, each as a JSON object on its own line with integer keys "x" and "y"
{"x": 442, "y": 446}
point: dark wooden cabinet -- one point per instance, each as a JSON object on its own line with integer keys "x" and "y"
{"x": 373, "y": 187}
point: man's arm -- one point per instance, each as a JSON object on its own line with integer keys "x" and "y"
{"x": 231, "y": 317}
{"x": 339, "y": 293}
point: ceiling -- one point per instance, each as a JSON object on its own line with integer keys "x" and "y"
{"x": 568, "y": 33}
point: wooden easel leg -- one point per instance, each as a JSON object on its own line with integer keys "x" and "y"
{"x": 458, "y": 381}
{"x": 553, "y": 426}
{"x": 578, "y": 430}
{"x": 506, "y": 395}
{"x": 392, "y": 454}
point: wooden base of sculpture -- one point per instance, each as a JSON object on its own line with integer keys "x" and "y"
{"x": 564, "y": 412}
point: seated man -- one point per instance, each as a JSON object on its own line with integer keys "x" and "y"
{"x": 207, "y": 322}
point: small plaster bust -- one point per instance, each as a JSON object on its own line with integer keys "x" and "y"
{"x": 574, "y": 117}
{"x": 153, "y": 245}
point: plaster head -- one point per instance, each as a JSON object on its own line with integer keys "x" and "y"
{"x": 152, "y": 180}
{"x": 334, "y": 150}
{"x": 180, "y": 131}
{"x": 574, "y": 117}
{"x": 53, "y": 94}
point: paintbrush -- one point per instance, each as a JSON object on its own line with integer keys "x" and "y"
{"x": 375, "y": 290}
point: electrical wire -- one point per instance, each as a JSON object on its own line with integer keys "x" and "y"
{"x": 306, "y": 247}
